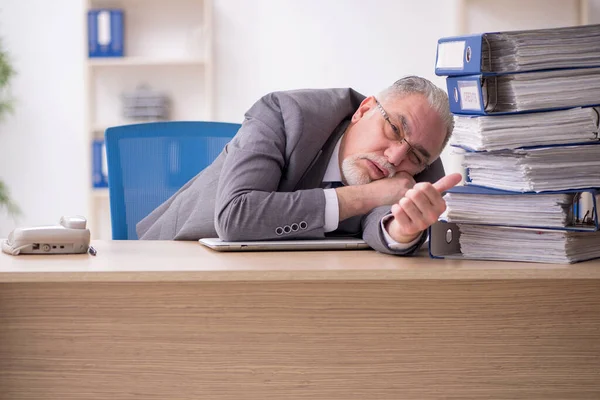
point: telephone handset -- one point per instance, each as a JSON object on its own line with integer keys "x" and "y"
{"x": 70, "y": 237}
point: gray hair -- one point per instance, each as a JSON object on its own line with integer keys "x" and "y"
{"x": 437, "y": 98}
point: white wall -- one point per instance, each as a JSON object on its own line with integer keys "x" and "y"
{"x": 261, "y": 45}
{"x": 493, "y": 15}
{"x": 42, "y": 145}
{"x": 266, "y": 45}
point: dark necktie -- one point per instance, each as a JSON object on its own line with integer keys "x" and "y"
{"x": 332, "y": 185}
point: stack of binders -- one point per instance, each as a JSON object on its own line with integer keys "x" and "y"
{"x": 526, "y": 109}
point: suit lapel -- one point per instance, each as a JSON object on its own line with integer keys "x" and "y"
{"x": 313, "y": 176}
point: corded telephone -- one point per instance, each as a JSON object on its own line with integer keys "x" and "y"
{"x": 70, "y": 237}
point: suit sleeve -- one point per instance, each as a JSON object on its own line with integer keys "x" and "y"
{"x": 371, "y": 223}
{"x": 373, "y": 233}
{"x": 248, "y": 206}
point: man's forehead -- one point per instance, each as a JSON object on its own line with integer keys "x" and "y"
{"x": 419, "y": 120}
{"x": 408, "y": 111}
{"x": 412, "y": 102}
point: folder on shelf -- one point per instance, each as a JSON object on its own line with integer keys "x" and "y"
{"x": 502, "y": 243}
{"x": 523, "y": 92}
{"x": 559, "y": 210}
{"x": 519, "y": 51}
{"x": 99, "y": 164}
{"x": 105, "y": 32}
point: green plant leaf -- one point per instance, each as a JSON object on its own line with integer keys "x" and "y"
{"x": 6, "y": 203}
{"x": 6, "y": 74}
{"x": 6, "y": 106}
{"x": 6, "y": 69}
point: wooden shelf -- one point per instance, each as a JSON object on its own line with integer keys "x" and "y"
{"x": 100, "y": 193}
{"x": 102, "y": 128}
{"x": 143, "y": 61}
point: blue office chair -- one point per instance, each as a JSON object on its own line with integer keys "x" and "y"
{"x": 149, "y": 162}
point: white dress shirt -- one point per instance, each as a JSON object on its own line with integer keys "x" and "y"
{"x": 332, "y": 207}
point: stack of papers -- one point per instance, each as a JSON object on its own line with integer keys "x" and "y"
{"x": 552, "y": 210}
{"x": 543, "y": 90}
{"x": 525, "y": 244}
{"x": 537, "y": 49}
{"x": 527, "y": 114}
{"x": 489, "y": 133}
{"x": 536, "y": 169}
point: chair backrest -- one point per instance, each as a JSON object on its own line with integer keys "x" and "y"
{"x": 147, "y": 163}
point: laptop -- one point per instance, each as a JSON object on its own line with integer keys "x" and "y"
{"x": 286, "y": 245}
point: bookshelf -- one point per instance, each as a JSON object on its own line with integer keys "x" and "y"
{"x": 168, "y": 47}
{"x": 145, "y": 61}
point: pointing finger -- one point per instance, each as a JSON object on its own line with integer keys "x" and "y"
{"x": 447, "y": 182}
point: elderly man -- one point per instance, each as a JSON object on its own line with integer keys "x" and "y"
{"x": 326, "y": 162}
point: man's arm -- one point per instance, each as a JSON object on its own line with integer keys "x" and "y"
{"x": 374, "y": 236}
{"x": 248, "y": 206}
{"x": 419, "y": 208}
{"x": 361, "y": 199}
{"x": 374, "y": 200}
{"x": 409, "y": 227}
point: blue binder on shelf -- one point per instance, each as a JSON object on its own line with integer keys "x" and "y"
{"x": 99, "y": 164}
{"x": 105, "y": 33}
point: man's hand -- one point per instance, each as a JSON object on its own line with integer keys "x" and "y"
{"x": 419, "y": 208}
{"x": 360, "y": 199}
{"x": 389, "y": 191}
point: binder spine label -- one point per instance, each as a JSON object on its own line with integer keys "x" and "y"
{"x": 468, "y": 92}
{"x": 450, "y": 55}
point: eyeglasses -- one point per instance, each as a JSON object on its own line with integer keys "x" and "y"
{"x": 414, "y": 155}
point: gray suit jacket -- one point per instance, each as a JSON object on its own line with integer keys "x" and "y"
{"x": 267, "y": 179}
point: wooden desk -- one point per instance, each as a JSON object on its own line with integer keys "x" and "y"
{"x": 173, "y": 320}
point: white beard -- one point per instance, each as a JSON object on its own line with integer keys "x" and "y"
{"x": 353, "y": 174}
